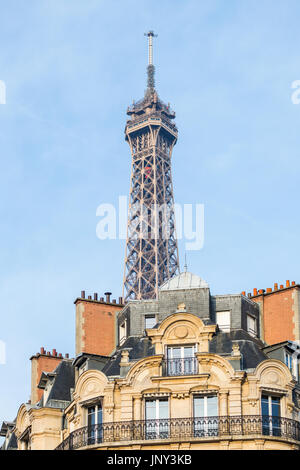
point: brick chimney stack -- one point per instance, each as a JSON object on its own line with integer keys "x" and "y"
{"x": 42, "y": 362}
{"x": 96, "y": 325}
{"x": 280, "y": 312}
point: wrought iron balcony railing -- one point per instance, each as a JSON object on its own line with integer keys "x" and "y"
{"x": 181, "y": 366}
{"x": 183, "y": 429}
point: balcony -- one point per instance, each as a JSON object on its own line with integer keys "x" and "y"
{"x": 183, "y": 429}
{"x": 180, "y": 366}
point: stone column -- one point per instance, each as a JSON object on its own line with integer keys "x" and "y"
{"x": 223, "y": 412}
{"x": 223, "y": 403}
{"x": 137, "y": 407}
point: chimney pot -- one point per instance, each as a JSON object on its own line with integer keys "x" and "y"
{"x": 249, "y": 295}
{"x": 275, "y": 286}
{"x": 244, "y": 293}
{"x": 287, "y": 283}
{"x": 293, "y": 283}
{"x": 54, "y": 353}
{"x": 269, "y": 290}
{"x": 60, "y": 355}
{"x": 83, "y": 294}
{"x": 281, "y": 286}
{"x": 43, "y": 351}
{"x": 255, "y": 291}
{"x": 114, "y": 301}
{"x": 89, "y": 297}
{"x": 120, "y": 300}
{"x": 261, "y": 291}
{"x": 107, "y": 294}
{"x": 101, "y": 299}
{"x": 95, "y": 296}
{"x": 67, "y": 356}
{"x": 48, "y": 353}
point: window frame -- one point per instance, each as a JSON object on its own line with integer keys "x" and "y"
{"x": 182, "y": 365}
{"x": 156, "y": 428}
{"x": 206, "y": 425}
{"x": 146, "y": 317}
{"x": 271, "y": 424}
{"x": 291, "y": 363}
{"x": 123, "y": 326}
{"x": 224, "y": 328}
{"x": 253, "y": 333}
{"x": 94, "y": 431}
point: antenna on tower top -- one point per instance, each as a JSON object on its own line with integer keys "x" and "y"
{"x": 150, "y": 68}
{"x": 185, "y": 263}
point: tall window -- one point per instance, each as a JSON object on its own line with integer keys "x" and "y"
{"x": 270, "y": 410}
{"x": 205, "y": 416}
{"x": 223, "y": 321}
{"x": 181, "y": 360}
{"x": 94, "y": 424}
{"x": 157, "y": 414}
{"x": 251, "y": 325}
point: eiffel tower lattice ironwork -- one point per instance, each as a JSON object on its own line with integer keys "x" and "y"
{"x": 151, "y": 249}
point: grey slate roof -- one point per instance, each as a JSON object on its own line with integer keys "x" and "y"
{"x": 63, "y": 382}
{"x": 250, "y": 348}
{"x": 139, "y": 348}
{"x": 12, "y": 443}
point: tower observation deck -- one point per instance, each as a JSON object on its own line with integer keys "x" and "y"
{"x": 151, "y": 255}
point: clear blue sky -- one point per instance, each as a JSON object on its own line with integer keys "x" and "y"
{"x": 71, "y": 68}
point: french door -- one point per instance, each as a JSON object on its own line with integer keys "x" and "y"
{"x": 205, "y": 416}
{"x": 270, "y": 410}
{"x": 94, "y": 424}
{"x": 157, "y": 418}
{"x": 181, "y": 360}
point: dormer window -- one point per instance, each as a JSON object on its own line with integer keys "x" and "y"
{"x": 251, "y": 325}
{"x": 122, "y": 332}
{"x": 223, "y": 321}
{"x": 292, "y": 363}
{"x": 150, "y": 321}
{"x": 181, "y": 360}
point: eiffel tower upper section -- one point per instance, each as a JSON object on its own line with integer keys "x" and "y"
{"x": 151, "y": 249}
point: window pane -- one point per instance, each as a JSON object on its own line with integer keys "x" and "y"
{"x": 286, "y": 359}
{"x": 99, "y": 416}
{"x": 188, "y": 351}
{"x": 199, "y": 407}
{"x": 212, "y": 406}
{"x": 275, "y": 406}
{"x": 175, "y": 353}
{"x": 265, "y": 405}
{"x": 163, "y": 409}
{"x": 150, "y": 409}
{"x": 150, "y": 321}
{"x": 223, "y": 321}
{"x": 251, "y": 325}
{"x": 91, "y": 416}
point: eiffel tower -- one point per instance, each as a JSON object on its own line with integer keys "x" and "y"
{"x": 151, "y": 248}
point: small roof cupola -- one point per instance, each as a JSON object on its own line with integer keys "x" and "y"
{"x": 185, "y": 280}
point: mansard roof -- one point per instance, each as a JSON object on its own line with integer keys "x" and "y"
{"x": 250, "y": 347}
{"x": 138, "y": 347}
{"x": 64, "y": 380}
